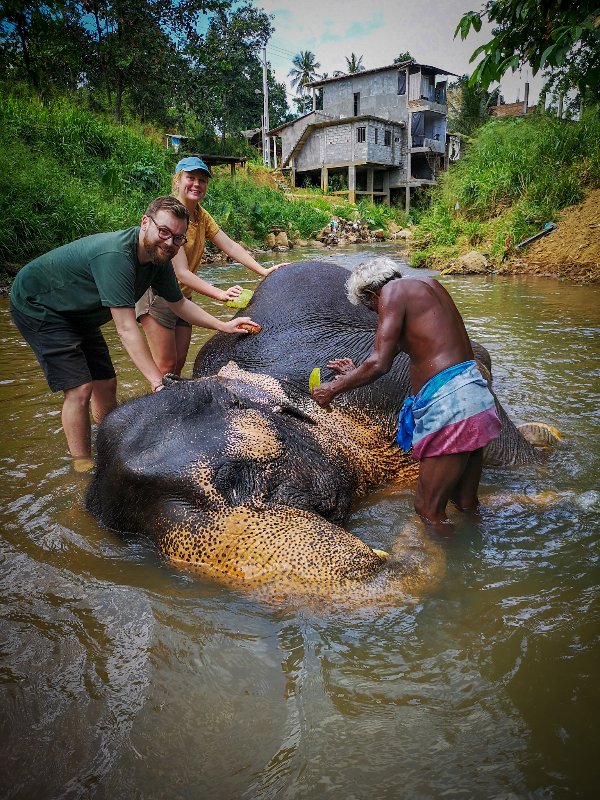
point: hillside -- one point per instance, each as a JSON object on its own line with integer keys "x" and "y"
{"x": 517, "y": 175}
{"x": 572, "y": 251}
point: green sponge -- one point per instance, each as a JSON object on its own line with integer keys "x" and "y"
{"x": 242, "y": 300}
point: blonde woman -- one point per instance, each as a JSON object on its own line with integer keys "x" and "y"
{"x": 169, "y": 336}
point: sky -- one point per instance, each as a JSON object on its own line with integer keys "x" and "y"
{"x": 379, "y": 30}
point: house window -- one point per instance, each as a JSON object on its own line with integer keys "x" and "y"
{"x": 376, "y": 135}
{"x": 357, "y": 104}
{"x": 402, "y": 82}
{"x": 387, "y": 138}
{"x": 361, "y": 134}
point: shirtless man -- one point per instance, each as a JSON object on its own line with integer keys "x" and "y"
{"x": 452, "y": 414}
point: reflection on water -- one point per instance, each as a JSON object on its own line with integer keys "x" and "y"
{"x": 122, "y": 677}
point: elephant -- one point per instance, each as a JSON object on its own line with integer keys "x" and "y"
{"x": 239, "y": 475}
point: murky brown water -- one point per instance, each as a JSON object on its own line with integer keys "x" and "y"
{"x": 121, "y": 677}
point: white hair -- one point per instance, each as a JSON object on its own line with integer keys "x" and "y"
{"x": 370, "y": 276}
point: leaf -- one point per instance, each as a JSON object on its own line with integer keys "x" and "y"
{"x": 314, "y": 379}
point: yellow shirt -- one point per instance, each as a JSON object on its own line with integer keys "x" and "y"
{"x": 197, "y": 233}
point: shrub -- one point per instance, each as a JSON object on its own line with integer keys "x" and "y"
{"x": 515, "y": 176}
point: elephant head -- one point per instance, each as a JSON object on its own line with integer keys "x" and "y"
{"x": 240, "y": 475}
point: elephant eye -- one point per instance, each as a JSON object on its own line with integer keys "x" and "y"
{"x": 236, "y": 481}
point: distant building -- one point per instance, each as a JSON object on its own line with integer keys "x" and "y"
{"x": 518, "y": 109}
{"x": 382, "y": 130}
{"x": 174, "y": 141}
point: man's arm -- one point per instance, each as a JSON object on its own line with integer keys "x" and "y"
{"x": 392, "y": 310}
{"x": 136, "y": 345}
{"x": 195, "y": 315}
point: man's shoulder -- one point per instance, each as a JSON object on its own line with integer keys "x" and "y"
{"x": 112, "y": 242}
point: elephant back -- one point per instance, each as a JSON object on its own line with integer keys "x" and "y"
{"x": 307, "y": 321}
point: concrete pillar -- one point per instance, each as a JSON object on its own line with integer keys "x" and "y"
{"x": 352, "y": 183}
{"x": 386, "y": 187}
{"x": 407, "y": 199}
{"x": 324, "y": 179}
{"x": 370, "y": 173}
{"x": 293, "y": 173}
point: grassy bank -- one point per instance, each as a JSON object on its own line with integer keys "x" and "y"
{"x": 514, "y": 177}
{"x": 66, "y": 173}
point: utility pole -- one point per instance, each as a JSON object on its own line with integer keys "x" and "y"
{"x": 265, "y": 119}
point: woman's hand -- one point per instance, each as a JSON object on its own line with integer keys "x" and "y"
{"x": 229, "y": 294}
{"x": 269, "y": 270}
{"x": 241, "y": 325}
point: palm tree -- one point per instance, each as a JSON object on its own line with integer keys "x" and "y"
{"x": 469, "y": 106}
{"x": 353, "y": 64}
{"x": 304, "y": 71}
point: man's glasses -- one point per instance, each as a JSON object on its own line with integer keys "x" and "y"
{"x": 165, "y": 234}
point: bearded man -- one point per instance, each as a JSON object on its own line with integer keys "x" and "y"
{"x": 59, "y": 301}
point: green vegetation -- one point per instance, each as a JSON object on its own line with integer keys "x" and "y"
{"x": 189, "y": 66}
{"x": 560, "y": 37}
{"x": 514, "y": 177}
{"x": 66, "y": 173}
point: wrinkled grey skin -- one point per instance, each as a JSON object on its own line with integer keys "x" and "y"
{"x": 307, "y": 321}
{"x": 241, "y": 474}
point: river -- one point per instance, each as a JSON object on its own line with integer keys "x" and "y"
{"x": 122, "y": 677}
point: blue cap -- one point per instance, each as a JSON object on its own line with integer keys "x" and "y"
{"x": 191, "y": 163}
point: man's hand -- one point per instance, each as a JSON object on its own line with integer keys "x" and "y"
{"x": 231, "y": 293}
{"x": 241, "y": 325}
{"x": 342, "y": 365}
{"x": 324, "y": 394}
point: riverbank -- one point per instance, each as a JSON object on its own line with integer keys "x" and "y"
{"x": 84, "y": 175}
{"x": 516, "y": 176}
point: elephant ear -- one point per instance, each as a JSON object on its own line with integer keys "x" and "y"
{"x": 258, "y": 388}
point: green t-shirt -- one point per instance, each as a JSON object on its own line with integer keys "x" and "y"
{"x": 83, "y": 280}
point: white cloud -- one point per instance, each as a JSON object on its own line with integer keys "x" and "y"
{"x": 378, "y": 31}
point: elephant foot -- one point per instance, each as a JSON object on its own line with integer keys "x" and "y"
{"x": 539, "y": 434}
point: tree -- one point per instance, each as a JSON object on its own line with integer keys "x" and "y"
{"x": 225, "y": 85}
{"x": 304, "y": 71}
{"x": 552, "y": 34}
{"x": 353, "y": 64}
{"x": 44, "y": 42}
{"x": 406, "y": 56}
{"x": 469, "y": 106}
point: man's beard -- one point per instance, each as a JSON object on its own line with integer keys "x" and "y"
{"x": 155, "y": 256}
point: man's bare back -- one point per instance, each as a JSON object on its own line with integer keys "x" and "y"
{"x": 433, "y": 334}
{"x": 417, "y": 316}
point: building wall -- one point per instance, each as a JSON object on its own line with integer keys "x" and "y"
{"x": 378, "y": 96}
{"x": 511, "y": 110}
{"x": 338, "y": 145}
{"x": 291, "y": 134}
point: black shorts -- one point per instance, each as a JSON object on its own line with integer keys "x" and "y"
{"x": 70, "y": 356}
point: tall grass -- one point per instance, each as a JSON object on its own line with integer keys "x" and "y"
{"x": 66, "y": 173}
{"x": 515, "y": 176}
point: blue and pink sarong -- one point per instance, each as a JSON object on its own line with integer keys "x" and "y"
{"x": 454, "y": 412}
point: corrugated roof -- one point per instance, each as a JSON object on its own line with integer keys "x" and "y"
{"x": 437, "y": 70}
